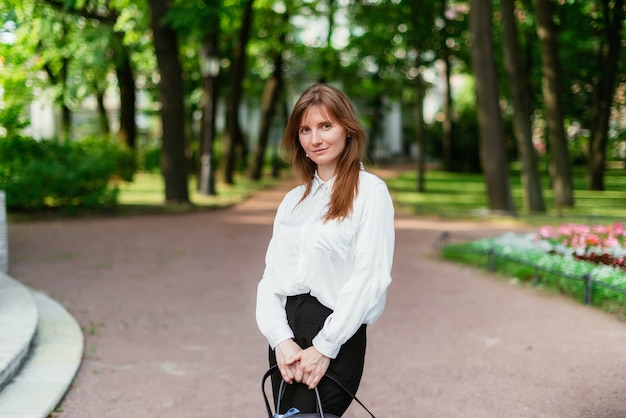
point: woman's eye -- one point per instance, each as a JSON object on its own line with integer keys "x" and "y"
{"x": 304, "y": 130}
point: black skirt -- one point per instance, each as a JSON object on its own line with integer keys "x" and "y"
{"x": 306, "y": 316}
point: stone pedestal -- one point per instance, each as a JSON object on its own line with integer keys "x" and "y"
{"x": 4, "y": 241}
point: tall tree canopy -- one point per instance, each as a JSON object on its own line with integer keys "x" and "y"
{"x": 222, "y": 74}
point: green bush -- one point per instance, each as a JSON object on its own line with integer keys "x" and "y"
{"x": 44, "y": 174}
{"x": 11, "y": 119}
{"x": 150, "y": 159}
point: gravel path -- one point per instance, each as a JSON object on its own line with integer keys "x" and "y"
{"x": 167, "y": 306}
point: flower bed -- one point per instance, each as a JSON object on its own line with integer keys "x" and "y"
{"x": 601, "y": 244}
{"x": 587, "y": 262}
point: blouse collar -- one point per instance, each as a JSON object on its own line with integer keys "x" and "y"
{"x": 325, "y": 186}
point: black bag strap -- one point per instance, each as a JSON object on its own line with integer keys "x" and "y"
{"x": 281, "y": 392}
{"x": 352, "y": 395}
{"x": 332, "y": 377}
{"x": 267, "y": 374}
{"x": 320, "y": 409}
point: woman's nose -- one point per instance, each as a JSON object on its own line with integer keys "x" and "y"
{"x": 316, "y": 138}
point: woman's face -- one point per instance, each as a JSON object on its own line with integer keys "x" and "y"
{"x": 323, "y": 139}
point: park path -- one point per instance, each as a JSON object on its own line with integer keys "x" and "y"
{"x": 166, "y": 303}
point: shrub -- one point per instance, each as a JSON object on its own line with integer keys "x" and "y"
{"x": 150, "y": 159}
{"x": 11, "y": 119}
{"x": 42, "y": 174}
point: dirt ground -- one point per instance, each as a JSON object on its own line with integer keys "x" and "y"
{"x": 167, "y": 303}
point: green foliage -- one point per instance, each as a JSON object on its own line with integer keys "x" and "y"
{"x": 11, "y": 119}
{"x": 15, "y": 92}
{"x": 49, "y": 174}
{"x": 121, "y": 159}
{"x": 578, "y": 148}
{"x": 150, "y": 159}
{"x": 376, "y": 50}
{"x": 465, "y": 153}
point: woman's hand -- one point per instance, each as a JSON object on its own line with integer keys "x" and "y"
{"x": 285, "y": 352}
{"x": 311, "y": 366}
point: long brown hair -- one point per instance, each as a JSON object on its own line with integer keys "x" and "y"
{"x": 340, "y": 108}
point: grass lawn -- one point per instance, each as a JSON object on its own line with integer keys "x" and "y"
{"x": 448, "y": 195}
{"x": 146, "y": 194}
{"x": 463, "y": 195}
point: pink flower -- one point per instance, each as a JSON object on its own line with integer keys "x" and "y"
{"x": 580, "y": 236}
{"x": 577, "y": 242}
{"x": 545, "y": 232}
{"x": 565, "y": 229}
{"x": 601, "y": 229}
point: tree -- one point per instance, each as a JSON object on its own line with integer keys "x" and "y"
{"x": 380, "y": 52}
{"x": 234, "y": 142}
{"x": 104, "y": 14}
{"x": 609, "y": 54}
{"x": 447, "y": 141}
{"x": 492, "y": 150}
{"x": 551, "y": 85}
{"x": 378, "y": 66}
{"x": 57, "y": 67}
{"x": 173, "y": 159}
{"x": 271, "y": 95}
{"x": 199, "y": 27}
{"x": 126, "y": 81}
{"x": 420, "y": 14}
{"x": 520, "y": 94}
{"x": 210, "y": 71}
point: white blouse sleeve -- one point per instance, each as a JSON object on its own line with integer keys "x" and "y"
{"x": 361, "y": 299}
{"x": 271, "y": 316}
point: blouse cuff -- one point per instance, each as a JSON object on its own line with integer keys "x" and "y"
{"x": 279, "y": 335}
{"x": 327, "y": 348}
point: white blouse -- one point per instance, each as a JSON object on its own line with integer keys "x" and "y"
{"x": 345, "y": 264}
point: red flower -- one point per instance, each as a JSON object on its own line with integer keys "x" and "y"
{"x": 593, "y": 239}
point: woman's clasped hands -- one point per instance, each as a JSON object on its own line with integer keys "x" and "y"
{"x": 306, "y": 366}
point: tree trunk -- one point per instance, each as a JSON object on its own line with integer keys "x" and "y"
{"x": 446, "y": 96}
{"x": 519, "y": 82}
{"x": 233, "y": 140}
{"x": 417, "y": 12}
{"x": 551, "y": 83}
{"x": 173, "y": 159}
{"x": 375, "y": 128}
{"x": 327, "y": 55}
{"x": 126, "y": 82}
{"x": 492, "y": 150}
{"x": 273, "y": 89}
{"x": 64, "y": 129}
{"x": 66, "y": 113}
{"x": 603, "y": 94}
{"x": 103, "y": 118}
{"x": 420, "y": 133}
{"x": 210, "y": 70}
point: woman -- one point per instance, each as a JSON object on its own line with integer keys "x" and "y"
{"x": 329, "y": 260}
